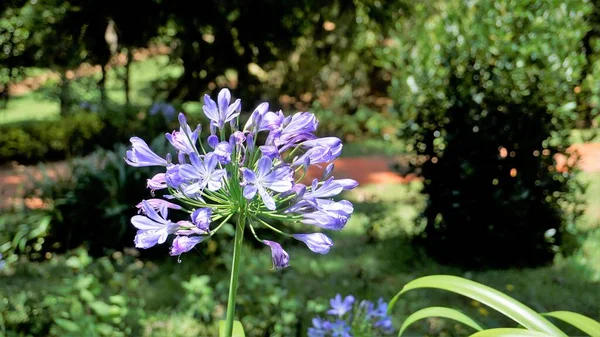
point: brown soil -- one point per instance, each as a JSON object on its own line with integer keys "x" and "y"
{"x": 84, "y": 70}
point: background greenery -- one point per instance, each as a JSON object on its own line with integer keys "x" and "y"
{"x": 453, "y": 80}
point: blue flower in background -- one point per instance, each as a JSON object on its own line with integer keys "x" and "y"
{"x": 339, "y": 307}
{"x": 165, "y": 109}
{"x": 348, "y": 319}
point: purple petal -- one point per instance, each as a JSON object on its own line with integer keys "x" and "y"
{"x": 346, "y": 184}
{"x": 267, "y": 199}
{"x": 183, "y": 244}
{"x": 263, "y": 166}
{"x": 210, "y": 109}
{"x": 201, "y": 218}
{"x": 280, "y": 257}
{"x": 144, "y": 223}
{"x": 250, "y": 191}
{"x": 146, "y": 238}
{"x": 317, "y": 242}
{"x": 249, "y": 176}
{"x": 213, "y": 140}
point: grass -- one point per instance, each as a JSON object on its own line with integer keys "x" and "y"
{"x": 42, "y": 104}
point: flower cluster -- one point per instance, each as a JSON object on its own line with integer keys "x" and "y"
{"x": 227, "y": 173}
{"x": 347, "y": 319}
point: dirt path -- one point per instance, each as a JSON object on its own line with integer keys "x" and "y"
{"x": 366, "y": 170}
{"x": 84, "y": 70}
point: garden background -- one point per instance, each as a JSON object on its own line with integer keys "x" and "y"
{"x": 470, "y": 126}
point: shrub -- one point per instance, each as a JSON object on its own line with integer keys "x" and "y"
{"x": 70, "y": 136}
{"x": 486, "y": 94}
{"x": 93, "y": 203}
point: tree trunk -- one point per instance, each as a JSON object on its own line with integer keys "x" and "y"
{"x": 102, "y": 86}
{"x": 65, "y": 93}
{"x": 127, "y": 75}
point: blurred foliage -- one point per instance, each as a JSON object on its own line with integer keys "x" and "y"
{"x": 487, "y": 94}
{"x": 79, "y": 133}
{"x": 34, "y": 141}
{"x": 93, "y": 203}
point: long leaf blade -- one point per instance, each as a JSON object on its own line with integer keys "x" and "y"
{"x": 439, "y": 312}
{"x": 499, "y": 301}
{"x": 581, "y": 322}
{"x": 238, "y": 329}
{"x": 509, "y": 332}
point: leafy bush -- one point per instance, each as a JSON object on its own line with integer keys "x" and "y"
{"x": 93, "y": 203}
{"x": 22, "y": 234}
{"x": 91, "y": 298}
{"x": 486, "y": 94}
{"x": 50, "y": 140}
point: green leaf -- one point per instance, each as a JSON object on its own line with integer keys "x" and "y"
{"x": 439, "y": 312}
{"x": 67, "y": 325}
{"x": 499, "y": 301}
{"x": 509, "y": 332}
{"x": 238, "y": 329}
{"x": 581, "y": 322}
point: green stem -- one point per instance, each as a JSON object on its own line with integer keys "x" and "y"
{"x": 235, "y": 270}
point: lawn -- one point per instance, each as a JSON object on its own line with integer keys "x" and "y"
{"x": 42, "y": 103}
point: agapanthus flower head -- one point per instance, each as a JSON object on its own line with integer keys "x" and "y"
{"x": 225, "y": 174}
{"x": 348, "y": 317}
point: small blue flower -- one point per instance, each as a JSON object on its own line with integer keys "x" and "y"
{"x": 339, "y": 307}
{"x": 340, "y": 329}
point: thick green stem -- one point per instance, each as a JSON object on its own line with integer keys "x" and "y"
{"x": 235, "y": 270}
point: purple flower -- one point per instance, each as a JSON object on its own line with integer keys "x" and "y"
{"x": 223, "y": 152}
{"x": 294, "y": 129}
{"x": 379, "y": 313}
{"x": 327, "y": 189}
{"x": 317, "y": 242}
{"x": 339, "y": 307}
{"x": 184, "y": 140}
{"x": 347, "y": 184}
{"x": 152, "y": 228}
{"x": 254, "y": 122}
{"x": 340, "y": 329}
{"x": 269, "y": 151}
{"x": 224, "y": 112}
{"x": 201, "y": 218}
{"x": 320, "y": 327}
{"x": 281, "y": 259}
{"x": 158, "y": 204}
{"x": 279, "y": 179}
{"x": 204, "y": 173}
{"x": 2, "y": 262}
{"x": 158, "y": 182}
{"x": 140, "y": 155}
{"x": 320, "y": 150}
{"x": 173, "y": 177}
{"x": 329, "y": 214}
{"x": 271, "y": 121}
{"x": 183, "y": 244}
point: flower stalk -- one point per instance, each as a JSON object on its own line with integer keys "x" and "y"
{"x": 235, "y": 271}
